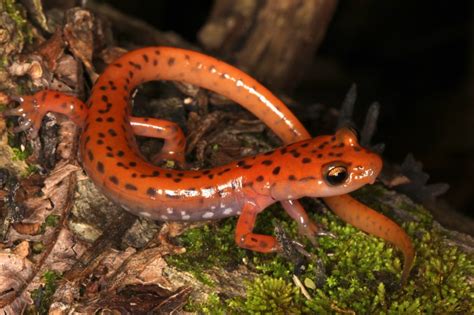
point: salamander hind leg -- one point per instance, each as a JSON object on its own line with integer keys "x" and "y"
{"x": 244, "y": 236}
{"x": 174, "y": 139}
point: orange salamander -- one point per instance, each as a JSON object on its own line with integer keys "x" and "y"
{"x": 326, "y": 166}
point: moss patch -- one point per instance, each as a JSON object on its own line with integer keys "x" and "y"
{"x": 362, "y": 273}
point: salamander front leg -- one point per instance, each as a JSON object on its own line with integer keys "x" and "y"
{"x": 32, "y": 108}
{"x": 306, "y": 227}
{"x": 171, "y": 133}
{"x": 244, "y": 236}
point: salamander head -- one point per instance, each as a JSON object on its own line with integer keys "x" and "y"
{"x": 330, "y": 165}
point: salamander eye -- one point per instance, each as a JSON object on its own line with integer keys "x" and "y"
{"x": 335, "y": 174}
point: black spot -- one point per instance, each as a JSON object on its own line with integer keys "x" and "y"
{"x": 145, "y": 57}
{"x": 331, "y": 153}
{"x": 112, "y": 132}
{"x": 169, "y": 175}
{"x": 109, "y": 154}
{"x": 108, "y": 148}
{"x": 283, "y": 150}
{"x": 90, "y": 155}
{"x": 120, "y": 164}
{"x": 130, "y": 186}
{"x": 246, "y": 167}
{"x": 267, "y": 162}
{"x": 57, "y": 95}
{"x": 100, "y": 142}
{"x": 304, "y": 145}
{"x": 211, "y": 176}
{"x": 276, "y": 170}
{"x": 223, "y": 171}
{"x": 338, "y": 154}
{"x": 155, "y": 173}
{"x": 110, "y": 119}
{"x": 155, "y": 62}
{"x": 357, "y": 149}
{"x": 268, "y": 153}
{"x": 120, "y": 153}
{"x": 134, "y": 175}
{"x": 100, "y": 167}
{"x": 247, "y": 184}
{"x": 114, "y": 180}
{"x": 259, "y": 178}
{"x": 103, "y": 88}
{"x": 151, "y": 192}
{"x": 106, "y": 110}
{"x": 171, "y": 61}
{"x": 333, "y": 138}
{"x": 99, "y": 119}
{"x": 320, "y": 155}
{"x": 197, "y": 176}
{"x": 105, "y": 99}
{"x": 292, "y": 177}
{"x": 306, "y": 160}
{"x": 101, "y": 135}
{"x": 118, "y": 65}
{"x": 88, "y": 138}
{"x": 135, "y": 65}
{"x": 157, "y": 52}
{"x": 177, "y": 180}
{"x": 295, "y": 153}
{"x": 132, "y": 164}
{"x": 206, "y": 172}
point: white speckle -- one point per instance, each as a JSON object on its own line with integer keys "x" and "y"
{"x": 239, "y": 83}
{"x": 213, "y": 70}
{"x": 290, "y": 197}
{"x": 164, "y": 217}
{"x": 228, "y": 211}
{"x": 169, "y": 210}
{"x": 145, "y": 214}
{"x": 239, "y": 212}
{"x": 223, "y": 205}
{"x": 208, "y": 215}
{"x": 183, "y": 213}
{"x": 159, "y": 191}
{"x": 213, "y": 207}
{"x": 186, "y": 217}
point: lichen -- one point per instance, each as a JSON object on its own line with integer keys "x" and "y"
{"x": 362, "y": 272}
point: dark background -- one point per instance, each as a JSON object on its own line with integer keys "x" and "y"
{"x": 414, "y": 57}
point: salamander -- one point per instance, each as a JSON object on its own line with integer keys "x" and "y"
{"x": 327, "y": 166}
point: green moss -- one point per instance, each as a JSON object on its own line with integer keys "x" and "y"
{"x": 362, "y": 273}
{"x": 266, "y": 295}
{"x": 43, "y": 295}
{"x": 206, "y": 247}
{"x": 18, "y": 15}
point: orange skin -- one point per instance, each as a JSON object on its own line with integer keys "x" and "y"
{"x": 113, "y": 162}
